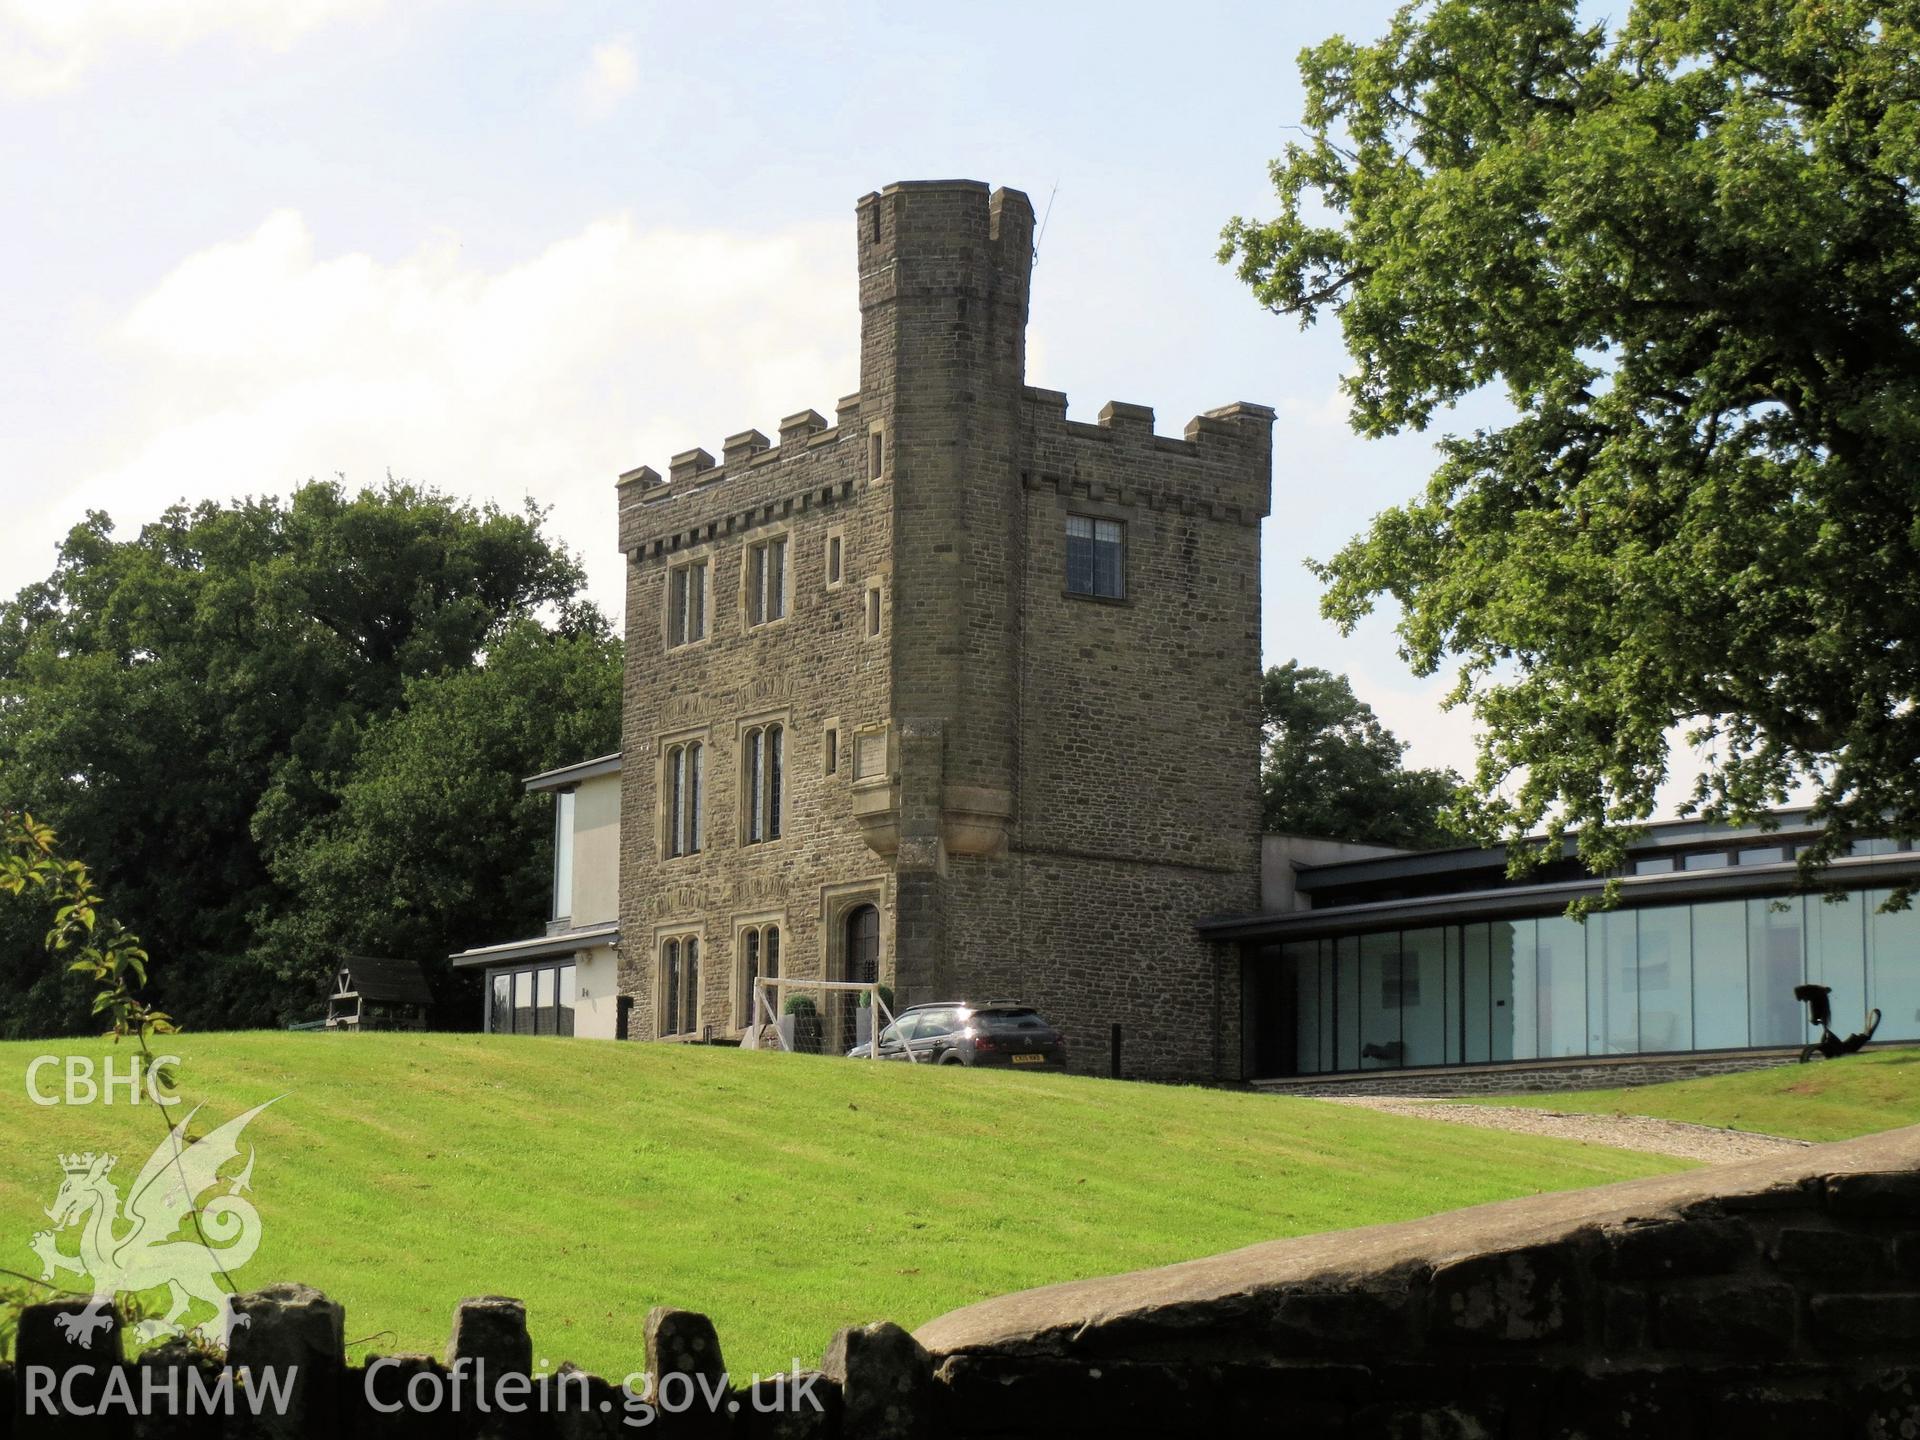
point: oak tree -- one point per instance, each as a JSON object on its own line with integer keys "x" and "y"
{"x": 1682, "y": 252}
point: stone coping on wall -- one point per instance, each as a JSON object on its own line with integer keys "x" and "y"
{"x": 1607, "y": 1230}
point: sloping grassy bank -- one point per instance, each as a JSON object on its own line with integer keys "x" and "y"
{"x": 784, "y": 1195}
{"x": 1823, "y": 1100}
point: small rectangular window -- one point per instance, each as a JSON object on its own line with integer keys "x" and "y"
{"x": 687, "y": 603}
{"x": 1096, "y": 557}
{"x": 1705, "y": 860}
{"x": 1764, "y": 855}
{"x": 686, "y": 781}
{"x": 563, "y": 855}
{"x": 833, "y": 752}
{"x": 767, "y": 581}
{"x": 763, "y": 783}
{"x": 1653, "y": 865}
{"x": 876, "y": 454}
{"x": 873, "y": 611}
{"x": 833, "y": 560}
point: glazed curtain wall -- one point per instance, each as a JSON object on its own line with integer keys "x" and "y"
{"x": 1709, "y": 976}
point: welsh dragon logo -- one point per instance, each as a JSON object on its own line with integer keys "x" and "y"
{"x": 152, "y": 1243}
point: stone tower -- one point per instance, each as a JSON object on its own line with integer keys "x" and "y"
{"x": 995, "y": 671}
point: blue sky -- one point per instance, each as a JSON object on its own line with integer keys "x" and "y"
{"x": 514, "y": 249}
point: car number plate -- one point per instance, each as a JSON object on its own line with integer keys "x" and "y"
{"x": 1029, "y": 1059}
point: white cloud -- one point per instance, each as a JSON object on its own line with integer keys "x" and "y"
{"x": 611, "y": 73}
{"x": 47, "y": 45}
{"x": 1410, "y": 707}
{"x": 261, "y": 362}
{"x": 1332, "y": 410}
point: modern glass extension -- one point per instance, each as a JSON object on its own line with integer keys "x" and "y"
{"x": 1708, "y": 975}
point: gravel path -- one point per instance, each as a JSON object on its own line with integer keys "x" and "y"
{"x": 1626, "y": 1132}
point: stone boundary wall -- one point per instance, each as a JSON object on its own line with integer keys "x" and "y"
{"x": 1779, "y": 1298}
{"x": 1525, "y": 1079}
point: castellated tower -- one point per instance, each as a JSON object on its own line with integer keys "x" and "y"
{"x": 953, "y": 692}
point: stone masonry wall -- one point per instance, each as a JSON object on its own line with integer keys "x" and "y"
{"x": 1099, "y": 943}
{"x": 1140, "y": 718}
{"x": 1136, "y": 807}
{"x": 814, "y": 666}
{"x": 1779, "y": 1298}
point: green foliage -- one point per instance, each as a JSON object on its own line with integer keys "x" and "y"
{"x": 189, "y": 707}
{"x": 1686, "y": 251}
{"x": 785, "y": 1195}
{"x": 801, "y": 1005}
{"x": 1329, "y": 768}
{"x": 97, "y": 948}
{"x": 435, "y": 846}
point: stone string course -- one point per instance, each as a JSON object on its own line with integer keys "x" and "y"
{"x": 1779, "y": 1298}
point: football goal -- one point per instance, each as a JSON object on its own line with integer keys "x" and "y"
{"x": 817, "y": 1017}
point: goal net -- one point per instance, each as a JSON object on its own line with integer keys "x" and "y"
{"x": 817, "y": 1017}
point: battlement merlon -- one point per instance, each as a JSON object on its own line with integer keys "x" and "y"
{"x": 927, "y": 220}
{"x": 1223, "y": 465}
{"x": 755, "y": 482}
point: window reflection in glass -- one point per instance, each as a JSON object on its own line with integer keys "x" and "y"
{"x": 1561, "y": 967}
{"x": 1423, "y": 997}
{"x": 1893, "y": 958}
{"x": 1774, "y": 967}
{"x": 1719, "y": 975}
{"x": 1665, "y": 955}
{"x": 1613, "y": 983}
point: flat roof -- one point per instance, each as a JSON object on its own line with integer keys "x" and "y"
{"x": 1664, "y": 835}
{"x": 568, "y": 776}
{"x": 1517, "y": 901}
{"x": 540, "y": 946}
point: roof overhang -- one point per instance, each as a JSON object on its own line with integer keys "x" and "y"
{"x": 1661, "y": 835}
{"x": 568, "y": 776}
{"x": 1516, "y": 901}
{"x": 588, "y": 937}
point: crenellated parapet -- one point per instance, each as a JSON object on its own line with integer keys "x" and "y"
{"x": 754, "y": 482}
{"x": 1221, "y": 469}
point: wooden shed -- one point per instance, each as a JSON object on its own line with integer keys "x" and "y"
{"x": 374, "y": 994}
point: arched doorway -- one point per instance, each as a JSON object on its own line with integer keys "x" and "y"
{"x": 863, "y": 943}
{"x": 862, "y": 952}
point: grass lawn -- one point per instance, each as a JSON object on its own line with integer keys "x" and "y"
{"x": 784, "y": 1195}
{"x": 1824, "y": 1100}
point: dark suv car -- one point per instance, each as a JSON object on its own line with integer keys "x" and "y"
{"x": 957, "y": 1032}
